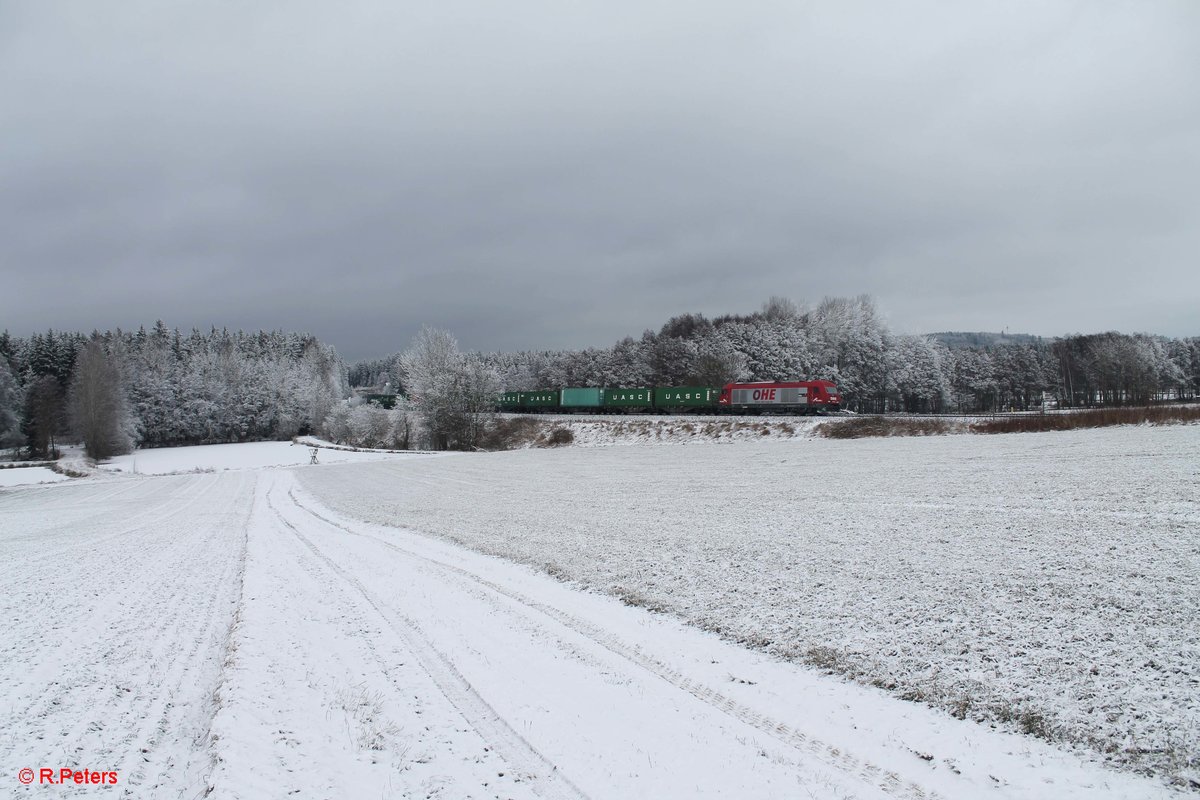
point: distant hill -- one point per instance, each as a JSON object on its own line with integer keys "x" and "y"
{"x": 974, "y": 340}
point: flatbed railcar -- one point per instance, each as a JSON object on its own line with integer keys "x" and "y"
{"x": 788, "y": 397}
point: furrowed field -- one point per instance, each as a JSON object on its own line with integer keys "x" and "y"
{"x": 1043, "y": 582}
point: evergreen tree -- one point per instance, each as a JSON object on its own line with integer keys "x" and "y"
{"x": 11, "y": 401}
{"x": 45, "y": 416}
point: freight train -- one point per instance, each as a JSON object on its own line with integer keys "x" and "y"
{"x": 790, "y": 397}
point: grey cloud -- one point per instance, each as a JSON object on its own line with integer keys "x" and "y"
{"x": 552, "y": 175}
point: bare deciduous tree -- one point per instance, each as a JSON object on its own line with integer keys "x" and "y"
{"x": 100, "y": 412}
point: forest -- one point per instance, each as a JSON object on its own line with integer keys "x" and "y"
{"x": 118, "y": 389}
{"x": 161, "y": 387}
{"x": 847, "y": 340}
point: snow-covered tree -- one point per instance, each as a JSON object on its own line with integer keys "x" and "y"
{"x": 916, "y": 375}
{"x": 850, "y": 340}
{"x": 452, "y": 394}
{"x": 11, "y": 400}
{"x": 718, "y": 362}
{"x": 629, "y": 364}
{"x": 336, "y": 425}
{"x": 403, "y": 424}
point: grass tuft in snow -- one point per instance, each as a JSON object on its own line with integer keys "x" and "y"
{"x": 871, "y": 426}
{"x": 1095, "y": 418}
{"x": 364, "y": 711}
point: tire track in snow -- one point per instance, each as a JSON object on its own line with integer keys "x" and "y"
{"x": 494, "y": 729}
{"x": 268, "y": 678}
{"x": 886, "y": 780}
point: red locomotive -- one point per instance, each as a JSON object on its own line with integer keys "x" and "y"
{"x": 793, "y": 397}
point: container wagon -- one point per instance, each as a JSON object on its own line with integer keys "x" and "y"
{"x": 686, "y": 398}
{"x": 639, "y": 399}
{"x": 544, "y": 400}
{"x": 580, "y": 399}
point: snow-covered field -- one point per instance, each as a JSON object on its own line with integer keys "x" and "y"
{"x": 272, "y": 632}
{"x": 115, "y": 602}
{"x": 1045, "y": 581}
{"x": 25, "y": 475}
{"x": 215, "y": 457}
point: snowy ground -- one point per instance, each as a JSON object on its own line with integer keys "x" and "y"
{"x": 116, "y": 602}
{"x": 214, "y": 457}
{"x": 238, "y": 634}
{"x": 603, "y": 430}
{"x": 1045, "y": 581}
{"x": 25, "y": 475}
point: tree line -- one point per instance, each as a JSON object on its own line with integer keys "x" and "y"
{"x": 160, "y": 387}
{"x": 118, "y": 389}
{"x": 847, "y": 340}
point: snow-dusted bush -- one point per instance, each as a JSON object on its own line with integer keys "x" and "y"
{"x": 403, "y": 424}
{"x": 370, "y": 426}
{"x": 358, "y": 424}
{"x": 336, "y": 425}
{"x": 559, "y": 437}
{"x": 453, "y": 395}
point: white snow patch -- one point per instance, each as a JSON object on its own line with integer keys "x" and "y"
{"x": 251, "y": 455}
{"x": 28, "y": 475}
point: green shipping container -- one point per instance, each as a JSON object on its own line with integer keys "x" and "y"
{"x": 547, "y": 398}
{"x": 509, "y": 401}
{"x": 580, "y": 398}
{"x": 686, "y": 396}
{"x": 625, "y": 398}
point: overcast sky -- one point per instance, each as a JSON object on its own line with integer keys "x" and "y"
{"x": 563, "y": 173}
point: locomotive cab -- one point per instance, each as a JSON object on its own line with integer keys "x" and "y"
{"x": 825, "y": 396}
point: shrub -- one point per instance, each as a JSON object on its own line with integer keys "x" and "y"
{"x": 511, "y": 433}
{"x": 559, "y": 437}
{"x": 859, "y": 427}
{"x": 1095, "y": 418}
